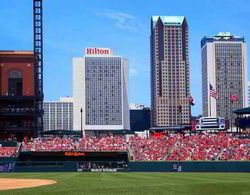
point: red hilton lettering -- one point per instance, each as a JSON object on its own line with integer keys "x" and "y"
{"x": 89, "y": 50}
{"x": 96, "y": 51}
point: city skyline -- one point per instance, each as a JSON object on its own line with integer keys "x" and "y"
{"x": 124, "y": 28}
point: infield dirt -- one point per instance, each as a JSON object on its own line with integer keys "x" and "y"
{"x": 10, "y": 184}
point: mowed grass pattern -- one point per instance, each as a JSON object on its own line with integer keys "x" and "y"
{"x": 136, "y": 183}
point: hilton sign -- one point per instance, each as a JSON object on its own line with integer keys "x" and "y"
{"x": 98, "y": 51}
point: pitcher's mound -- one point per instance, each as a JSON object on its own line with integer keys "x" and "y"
{"x": 9, "y": 183}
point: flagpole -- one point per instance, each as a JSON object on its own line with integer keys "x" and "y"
{"x": 210, "y": 111}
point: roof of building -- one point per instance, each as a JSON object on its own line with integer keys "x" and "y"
{"x": 66, "y": 99}
{"x": 222, "y": 36}
{"x": 168, "y": 20}
{"x": 242, "y": 111}
{"x": 172, "y": 128}
{"x": 15, "y": 52}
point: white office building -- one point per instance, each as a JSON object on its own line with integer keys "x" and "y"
{"x": 100, "y": 90}
{"x": 224, "y": 72}
{"x": 58, "y": 115}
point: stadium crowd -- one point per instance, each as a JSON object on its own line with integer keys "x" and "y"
{"x": 151, "y": 148}
{"x": 191, "y": 147}
{"x": 109, "y": 143}
{"x": 50, "y": 144}
{"x": 203, "y": 146}
{"x": 7, "y": 151}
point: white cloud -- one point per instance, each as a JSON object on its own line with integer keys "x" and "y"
{"x": 121, "y": 20}
{"x": 133, "y": 72}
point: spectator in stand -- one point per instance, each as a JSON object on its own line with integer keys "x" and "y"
{"x": 7, "y": 151}
{"x": 109, "y": 143}
{"x": 190, "y": 147}
{"x": 201, "y": 146}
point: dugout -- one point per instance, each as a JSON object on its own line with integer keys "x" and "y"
{"x": 73, "y": 156}
{"x": 67, "y": 160}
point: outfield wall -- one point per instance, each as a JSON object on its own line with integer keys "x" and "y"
{"x": 134, "y": 166}
{"x": 11, "y": 165}
{"x": 190, "y": 166}
{"x": 45, "y": 166}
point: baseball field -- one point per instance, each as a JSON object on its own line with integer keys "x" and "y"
{"x": 126, "y": 183}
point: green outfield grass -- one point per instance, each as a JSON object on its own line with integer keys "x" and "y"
{"x": 137, "y": 183}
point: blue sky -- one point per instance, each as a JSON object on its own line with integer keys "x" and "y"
{"x": 124, "y": 26}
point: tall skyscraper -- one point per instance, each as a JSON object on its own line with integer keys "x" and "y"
{"x": 224, "y": 74}
{"x": 100, "y": 91}
{"x": 170, "y": 82}
{"x": 58, "y": 115}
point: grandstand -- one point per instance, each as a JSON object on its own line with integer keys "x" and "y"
{"x": 128, "y": 153}
{"x": 181, "y": 147}
{"x": 9, "y": 148}
{"x": 7, "y": 151}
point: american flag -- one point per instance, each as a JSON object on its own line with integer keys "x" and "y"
{"x": 212, "y": 92}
